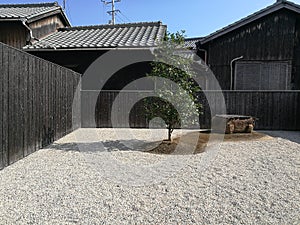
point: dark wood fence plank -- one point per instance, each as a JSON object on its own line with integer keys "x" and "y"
{"x": 25, "y": 106}
{"x": 296, "y": 109}
{"x": 5, "y": 121}
{"x": 30, "y": 102}
{"x": 34, "y": 101}
{"x": 1, "y": 106}
{"x": 20, "y": 107}
{"x": 275, "y": 109}
{"x": 12, "y": 113}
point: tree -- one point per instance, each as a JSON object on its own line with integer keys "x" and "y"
{"x": 170, "y": 65}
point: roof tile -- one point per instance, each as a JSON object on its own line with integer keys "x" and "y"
{"x": 29, "y": 11}
{"x": 190, "y": 43}
{"x": 104, "y": 36}
{"x": 26, "y": 11}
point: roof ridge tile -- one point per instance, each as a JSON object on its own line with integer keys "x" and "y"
{"x": 120, "y": 25}
{"x": 102, "y": 37}
{"x": 30, "y": 5}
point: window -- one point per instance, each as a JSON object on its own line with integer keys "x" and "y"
{"x": 255, "y": 75}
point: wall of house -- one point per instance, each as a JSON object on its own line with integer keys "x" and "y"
{"x": 16, "y": 35}
{"x": 46, "y": 26}
{"x": 80, "y": 60}
{"x": 13, "y": 34}
{"x": 296, "y": 59}
{"x": 271, "y": 38}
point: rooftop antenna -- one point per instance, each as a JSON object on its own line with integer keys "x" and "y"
{"x": 113, "y": 11}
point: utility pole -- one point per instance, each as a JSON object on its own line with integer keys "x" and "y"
{"x": 113, "y": 11}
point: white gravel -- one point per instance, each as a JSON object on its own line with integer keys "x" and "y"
{"x": 247, "y": 183}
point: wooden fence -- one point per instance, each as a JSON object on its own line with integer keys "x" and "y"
{"x": 36, "y": 99}
{"x": 276, "y": 110}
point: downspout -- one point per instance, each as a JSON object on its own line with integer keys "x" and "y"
{"x": 231, "y": 70}
{"x": 30, "y": 32}
{"x": 205, "y": 55}
{"x": 198, "y": 47}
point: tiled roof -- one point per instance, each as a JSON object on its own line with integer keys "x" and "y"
{"x": 190, "y": 43}
{"x": 104, "y": 36}
{"x": 28, "y": 11}
{"x": 280, "y": 4}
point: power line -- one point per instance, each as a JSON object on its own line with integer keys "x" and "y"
{"x": 103, "y": 13}
{"x": 118, "y": 17}
{"x": 118, "y": 20}
{"x": 129, "y": 20}
{"x": 68, "y": 10}
{"x": 113, "y": 11}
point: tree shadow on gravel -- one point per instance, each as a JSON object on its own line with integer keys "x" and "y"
{"x": 188, "y": 145}
{"x": 158, "y": 147}
{"x": 106, "y": 146}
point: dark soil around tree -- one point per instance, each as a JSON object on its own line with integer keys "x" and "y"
{"x": 168, "y": 147}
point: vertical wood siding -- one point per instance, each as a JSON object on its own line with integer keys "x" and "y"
{"x": 13, "y": 34}
{"x": 270, "y": 38}
{"x": 46, "y": 26}
{"x": 36, "y": 100}
{"x": 276, "y": 110}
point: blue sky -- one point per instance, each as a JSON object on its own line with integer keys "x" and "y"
{"x": 196, "y": 17}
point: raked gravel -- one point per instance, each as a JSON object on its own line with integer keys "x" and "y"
{"x": 253, "y": 182}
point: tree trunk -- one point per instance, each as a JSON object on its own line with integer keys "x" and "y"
{"x": 170, "y": 130}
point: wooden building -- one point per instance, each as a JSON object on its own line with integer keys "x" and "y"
{"x": 22, "y": 24}
{"x": 259, "y": 52}
{"x": 129, "y": 46}
{"x": 78, "y": 47}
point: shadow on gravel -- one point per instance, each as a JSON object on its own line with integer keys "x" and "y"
{"x": 159, "y": 147}
{"x": 106, "y": 146}
{"x": 293, "y": 136}
{"x": 187, "y": 146}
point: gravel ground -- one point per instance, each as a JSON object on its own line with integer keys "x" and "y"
{"x": 246, "y": 183}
